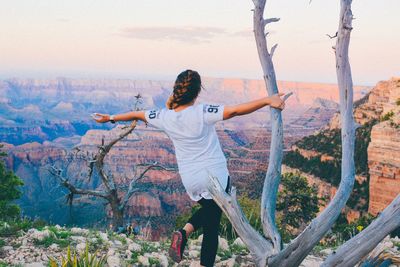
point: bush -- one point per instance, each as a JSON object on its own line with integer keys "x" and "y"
{"x": 15, "y": 226}
{"x": 344, "y": 230}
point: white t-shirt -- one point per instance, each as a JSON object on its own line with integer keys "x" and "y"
{"x": 197, "y": 148}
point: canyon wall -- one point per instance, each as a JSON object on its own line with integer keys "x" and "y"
{"x": 384, "y": 149}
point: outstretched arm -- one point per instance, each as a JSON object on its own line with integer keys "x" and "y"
{"x": 274, "y": 101}
{"x": 129, "y": 116}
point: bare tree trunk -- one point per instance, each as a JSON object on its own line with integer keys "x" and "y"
{"x": 356, "y": 248}
{"x": 273, "y": 176}
{"x": 117, "y": 212}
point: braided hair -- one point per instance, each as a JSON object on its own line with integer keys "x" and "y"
{"x": 186, "y": 88}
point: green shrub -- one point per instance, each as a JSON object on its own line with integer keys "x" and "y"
{"x": 75, "y": 260}
{"x": 48, "y": 241}
{"x": 387, "y": 116}
{"x": 154, "y": 261}
{"x": 344, "y": 230}
{"x": 2, "y": 242}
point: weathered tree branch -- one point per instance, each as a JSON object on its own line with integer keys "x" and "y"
{"x": 356, "y": 248}
{"x": 132, "y": 189}
{"x": 103, "y": 151}
{"x": 259, "y": 247}
{"x": 73, "y": 189}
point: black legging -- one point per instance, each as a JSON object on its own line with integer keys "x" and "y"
{"x": 208, "y": 217}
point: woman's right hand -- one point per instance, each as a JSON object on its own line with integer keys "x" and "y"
{"x": 276, "y": 101}
{"x": 101, "y": 118}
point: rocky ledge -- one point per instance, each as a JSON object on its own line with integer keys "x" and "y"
{"x": 35, "y": 248}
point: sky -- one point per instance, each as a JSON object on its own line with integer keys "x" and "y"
{"x": 157, "y": 39}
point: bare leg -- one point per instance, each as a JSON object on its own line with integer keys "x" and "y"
{"x": 189, "y": 229}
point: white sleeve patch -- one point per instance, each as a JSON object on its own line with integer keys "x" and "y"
{"x": 213, "y": 113}
{"x": 153, "y": 117}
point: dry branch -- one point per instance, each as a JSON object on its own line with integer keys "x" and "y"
{"x": 356, "y": 248}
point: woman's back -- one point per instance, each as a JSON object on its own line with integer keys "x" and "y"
{"x": 192, "y": 131}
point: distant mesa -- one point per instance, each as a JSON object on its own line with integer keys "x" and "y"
{"x": 63, "y": 107}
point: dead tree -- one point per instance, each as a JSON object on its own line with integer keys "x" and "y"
{"x": 110, "y": 191}
{"x": 266, "y": 250}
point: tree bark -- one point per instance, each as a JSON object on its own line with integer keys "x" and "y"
{"x": 259, "y": 247}
{"x": 351, "y": 252}
{"x": 273, "y": 176}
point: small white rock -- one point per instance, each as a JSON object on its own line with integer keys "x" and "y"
{"x": 163, "y": 259}
{"x": 128, "y": 254}
{"x": 117, "y": 243}
{"x": 81, "y": 247}
{"x": 223, "y": 244}
{"x": 7, "y": 248}
{"x": 103, "y": 236}
{"x": 326, "y": 252}
{"x": 54, "y": 247}
{"x": 78, "y": 239}
{"x": 239, "y": 242}
{"x": 110, "y": 252}
{"x": 134, "y": 247}
{"x": 226, "y": 263}
{"x": 79, "y": 231}
{"x": 35, "y": 264}
{"x": 194, "y": 254}
{"x": 195, "y": 264}
{"x": 113, "y": 261}
{"x": 143, "y": 260}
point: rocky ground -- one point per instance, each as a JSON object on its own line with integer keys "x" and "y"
{"x": 35, "y": 248}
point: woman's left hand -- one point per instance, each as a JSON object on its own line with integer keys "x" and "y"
{"x": 101, "y": 118}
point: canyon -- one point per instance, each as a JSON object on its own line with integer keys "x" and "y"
{"x": 41, "y": 120}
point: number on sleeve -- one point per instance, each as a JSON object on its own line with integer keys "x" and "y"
{"x": 152, "y": 114}
{"x": 213, "y": 108}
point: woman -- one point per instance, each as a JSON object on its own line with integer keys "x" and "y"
{"x": 191, "y": 128}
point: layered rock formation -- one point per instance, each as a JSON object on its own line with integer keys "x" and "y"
{"x": 384, "y": 149}
{"x": 379, "y": 166}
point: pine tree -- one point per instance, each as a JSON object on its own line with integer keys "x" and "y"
{"x": 298, "y": 203}
{"x": 9, "y": 191}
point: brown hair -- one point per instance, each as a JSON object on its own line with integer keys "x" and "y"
{"x": 186, "y": 88}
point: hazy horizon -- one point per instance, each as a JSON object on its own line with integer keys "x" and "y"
{"x": 158, "y": 39}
